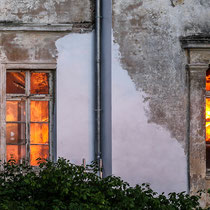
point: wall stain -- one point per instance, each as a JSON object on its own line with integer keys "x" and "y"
{"x": 14, "y": 50}
{"x": 176, "y": 2}
{"x": 30, "y": 46}
{"x": 134, "y": 6}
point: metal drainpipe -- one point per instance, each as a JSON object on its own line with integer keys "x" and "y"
{"x": 98, "y": 107}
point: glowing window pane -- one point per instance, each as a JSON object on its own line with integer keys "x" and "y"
{"x": 15, "y": 133}
{"x": 15, "y": 111}
{"x": 15, "y": 82}
{"x": 16, "y": 152}
{"x": 208, "y": 80}
{"x": 38, "y": 151}
{"x": 39, "y": 111}
{"x": 39, "y": 133}
{"x": 208, "y": 109}
{"x": 39, "y": 83}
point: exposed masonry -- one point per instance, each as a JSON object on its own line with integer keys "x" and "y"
{"x": 148, "y": 35}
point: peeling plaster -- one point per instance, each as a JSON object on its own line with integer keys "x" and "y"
{"x": 142, "y": 152}
{"x": 19, "y": 46}
{"x": 46, "y": 11}
{"x": 148, "y": 37}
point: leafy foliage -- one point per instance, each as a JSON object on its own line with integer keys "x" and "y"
{"x": 63, "y": 185}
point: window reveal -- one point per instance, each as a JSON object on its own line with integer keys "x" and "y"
{"x": 28, "y": 108}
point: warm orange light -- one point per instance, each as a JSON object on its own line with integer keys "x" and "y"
{"x": 39, "y": 111}
{"x": 207, "y": 108}
{"x": 39, "y": 133}
{"x": 39, "y": 83}
{"x": 38, "y": 151}
{"x": 208, "y": 80}
{"x": 11, "y": 113}
{"x": 15, "y": 111}
{"x": 38, "y": 119}
{"x": 15, "y": 152}
{"x": 15, "y": 82}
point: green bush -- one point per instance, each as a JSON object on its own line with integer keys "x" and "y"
{"x": 62, "y": 185}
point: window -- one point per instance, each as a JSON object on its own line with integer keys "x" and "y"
{"x": 197, "y": 49}
{"x": 29, "y": 115}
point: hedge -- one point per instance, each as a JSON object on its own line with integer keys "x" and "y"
{"x": 63, "y": 185}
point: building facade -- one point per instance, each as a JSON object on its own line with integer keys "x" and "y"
{"x": 154, "y": 96}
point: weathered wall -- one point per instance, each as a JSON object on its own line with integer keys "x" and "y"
{"x": 142, "y": 152}
{"x": 28, "y": 33}
{"x": 147, "y": 33}
{"x": 28, "y": 46}
{"x": 46, "y": 11}
{"x": 149, "y": 78}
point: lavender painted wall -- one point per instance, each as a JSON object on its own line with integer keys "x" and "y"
{"x": 75, "y": 97}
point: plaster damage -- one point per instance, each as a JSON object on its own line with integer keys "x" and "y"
{"x": 20, "y": 46}
{"x": 142, "y": 152}
{"x": 32, "y": 34}
{"x": 46, "y": 11}
{"x": 148, "y": 36}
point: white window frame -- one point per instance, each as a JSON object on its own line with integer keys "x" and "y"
{"x": 33, "y": 67}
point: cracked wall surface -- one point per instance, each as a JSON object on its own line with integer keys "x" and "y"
{"x": 148, "y": 36}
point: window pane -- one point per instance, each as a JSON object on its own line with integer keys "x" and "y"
{"x": 15, "y": 133}
{"x": 208, "y": 131}
{"x": 39, "y": 83}
{"x": 39, "y": 111}
{"x": 15, "y": 82}
{"x": 15, "y": 111}
{"x": 208, "y": 80}
{"x": 38, "y": 151}
{"x": 16, "y": 152}
{"x": 207, "y": 108}
{"x": 39, "y": 133}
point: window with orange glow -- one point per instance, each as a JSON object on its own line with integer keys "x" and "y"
{"x": 208, "y": 119}
{"x": 28, "y": 107}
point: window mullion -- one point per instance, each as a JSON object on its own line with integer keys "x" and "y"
{"x": 50, "y": 116}
{"x": 50, "y": 131}
{"x": 28, "y": 116}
